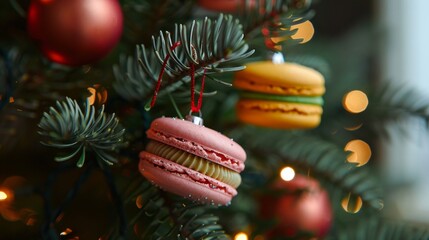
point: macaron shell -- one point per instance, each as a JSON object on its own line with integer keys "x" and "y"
{"x": 180, "y": 180}
{"x": 198, "y": 140}
{"x": 279, "y": 114}
{"x": 282, "y": 79}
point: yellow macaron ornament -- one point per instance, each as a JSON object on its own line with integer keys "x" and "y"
{"x": 280, "y": 95}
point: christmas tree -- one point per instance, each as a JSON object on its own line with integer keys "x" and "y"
{"x": 180, "y": 119}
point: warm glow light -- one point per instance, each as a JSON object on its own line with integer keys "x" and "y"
{"x": 305, "y": 31}
{"x": 360, "y": 152}
{"x": 351, "y": 204}
{"x": 98, "y": 94}
{"x": 287, "y": 173}
{"x": 355, "y": 101}
{"x": 241, "y": 236}
{"x": 65, "y": 232}
{"x": 3, "y": 196}
{"x": 91, "y": 98}
{"x": 139, "y": 201}
{"x": 354, "y": 128}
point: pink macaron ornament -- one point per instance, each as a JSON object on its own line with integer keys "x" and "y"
{"x": 190, "y": 160}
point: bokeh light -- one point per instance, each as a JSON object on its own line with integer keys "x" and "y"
{"x": 287, "y": 173}
{"x": 3, "y": 196}
{"x": 360, "y": 152}
{"x": 305, "y": 31}
{"x": 355, "y": 101}
{"x": 139, "y": 201}
{"x": 241, "y": 236}
{"x": 98, "y": 94}
{"x": 66, "y": 232}
{"x": 354, "y": 128}
{"x": 351, "y": 204}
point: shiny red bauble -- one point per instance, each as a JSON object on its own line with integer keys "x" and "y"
{"x": 221, "y": 5}
{"x": 302, "y": 209}
{"x": 75, "y": 32}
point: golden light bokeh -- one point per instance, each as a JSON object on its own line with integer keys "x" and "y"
{"x": 139, "y": 201}
{"x": 287, "y": 173}
{"x": 66, "y": 232}
{"x": 3, "y": 196}
{"x": 360, "y": 152}
{"x": 305, "y": 31}
{"x": 241, "y": 236}
{"x": 352, "y": 204}
{"x": 98, "y": 94}
{"x": 354, "y": 128}
{"x": 355, "y": 101}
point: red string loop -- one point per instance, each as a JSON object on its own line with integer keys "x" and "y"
{"x": 161, "y": 73}
{"x": 194, "y": 108}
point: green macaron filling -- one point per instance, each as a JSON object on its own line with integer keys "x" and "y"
{"x": 195, "y": 163}
{"x": 313, "y": 100}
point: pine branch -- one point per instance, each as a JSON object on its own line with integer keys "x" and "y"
{"x": 67, "y": 127}
{"x": 395, "y": 101}
{"x": 166, "y": 217}
{"x": 196, "y": 223}
{"x": 277, "y": 17}
{"x": 383, "y": 229}
{"x": 206, "y": 44}
{"x": 326, "y": 161}
{"x": 391, "y": 104}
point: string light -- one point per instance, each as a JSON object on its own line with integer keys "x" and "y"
{"x": 287, "y": 173}
{"x": 305, "y": 31}
{"x": 351, "y": 205}
{"x": 66, "y": 232}
{"x": 360, "y": 152}
{"x": 241, "y": 236}
{"x": 355, "y": 101}
{"x": 3, "y": 196}
{"x": 98, "y": 94}
{"x": 354, "y": 128}
{"x": 139, "y": 201}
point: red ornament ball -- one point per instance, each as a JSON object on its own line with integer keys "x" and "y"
{"x": 303, "y": 209}
{"x": 221, "y": 5}
{"x": 75, "y": 32}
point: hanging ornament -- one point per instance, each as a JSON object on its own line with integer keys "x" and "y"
{"x": 221, "y": 5}
{"x": 193, "y": 161}
{"x": 75, "y": 32}
{"x": 280, "y": 95}
{"x": 301, "y": 207}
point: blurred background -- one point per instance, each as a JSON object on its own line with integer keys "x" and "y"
{"x": 362, "y": 46}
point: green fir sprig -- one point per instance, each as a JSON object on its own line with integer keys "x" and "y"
{"x": 165, "y": 216}
{"x": 74, "y": 131}
{"x": 206, "y": 44}
{"x": 275, "y": 19}
{"x": 379, "y": 228}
